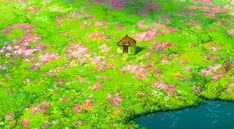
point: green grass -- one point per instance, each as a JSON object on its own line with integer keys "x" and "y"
{"x": 48, "y": 94}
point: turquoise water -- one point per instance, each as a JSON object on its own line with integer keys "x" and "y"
{"x": 211, "y": 115}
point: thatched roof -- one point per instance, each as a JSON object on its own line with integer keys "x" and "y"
{"x": 128, "y": 39}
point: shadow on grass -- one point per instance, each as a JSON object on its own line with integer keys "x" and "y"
{"x": 139, "y": 49}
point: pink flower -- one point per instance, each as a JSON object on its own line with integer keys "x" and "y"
{"x": 205, "y": 72}
{"x": 76, "y": 109}
{"x": 114, "y": 100}
{"x": 197, "y": 90}
{"x": 117, "y": 4}
{"x": 8, "y": 55}
{"x": 96, "y": 86}
{"x": 192, "y": 7}
{"x": 41, "y": 108}
{"x": 161, "y": 46}
{"x": 97, "y": 59}
{"x": 47, "y": 57}
{"x": 27, "y": 80}
{"x": 187, "y": 69}
{"x": 152, "y": 7}
{"x": 216, "y": 9}
{"x": 10, "y": 117}
{"x": 30, "y": 38}
{"x": 204, "y": 1}
{"x": 60, "y": 82}
{"x": 157, "y": 70}
{"x": 141, "y": 73}
{"x": 25, "y": 123}
{"x": 98, "y": 24}
{"x": 34, "y": 10}
{"x": 149, "y": 66}
{"x": 205, "y": 8}
{"x": 146, "y": 36}
{"x": 25, "y": 27}
{"x": 215, "y": 68}
{"x": 165, "y": 62}
{"x": 28, "y": 52}
{"x": 104, "y": 48}
{"x": 220, "y": 74}
{"x": 165, "y": 87}
{"x": 231, "y": 32}
{"x": 160, "y": 85}
{"x": 79, "y": 51}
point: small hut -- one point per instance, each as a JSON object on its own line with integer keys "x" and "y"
{"x": 126, "y": 45}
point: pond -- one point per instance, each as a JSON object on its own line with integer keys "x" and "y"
{"x": 211, "y": 115}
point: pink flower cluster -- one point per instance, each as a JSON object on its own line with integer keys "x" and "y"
{"x": 100, "y": 67}
{"x": 80, "y": 52}
{"x": 117, "y": 4}
{"x": 25, "y": 27}
{"x": 220, "y": 74}
{"x": 211, "y": 70}
{"x": 30, "y": 38}
{"x": 33, "y": 10}
{"x": 84, "y": 24}
{"x": 76, "y": 109}
{"x": 97, "y": 59}
{"x": 48, "y": 57}
{"x": 24, "y": 50}
{"x": 161, "y": 46}
{"x": 152, "y": 7}
{"x": 27, "y": 38}
{"x": 213, "y": 9}
{"x": 43, "y": 108}
{"x": 87, "y": 105}
{"x": 147, "y": 36}
{"x": 10, "y": 117}
{"x": 163, "y": 86}
{"x": 140, "y": 72}
{"x": 205, "y": 1}
{"x": 114, "y": 100}
{"x": 96, "y": 86}
{"x": 197, "y": 90}
{"x": 25, "y": 123}
{"x": 104, "y": 48}
{"x": 153, "y": 32}
{"x": 97, "y": 24}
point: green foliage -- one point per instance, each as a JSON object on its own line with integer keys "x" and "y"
{"x": 16, "y": 34}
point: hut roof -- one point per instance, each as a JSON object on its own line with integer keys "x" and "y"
{"x": 128, "y": 39}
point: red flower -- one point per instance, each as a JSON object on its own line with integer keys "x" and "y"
{"x": 76, "y": 109}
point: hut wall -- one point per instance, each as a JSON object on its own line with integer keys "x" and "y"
{"x": 120, "y": 49}
{"x": 132, "y": 50}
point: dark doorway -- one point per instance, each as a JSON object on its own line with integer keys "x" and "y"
{"x": 125, "y": 48}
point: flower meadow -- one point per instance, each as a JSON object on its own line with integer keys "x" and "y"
{"x": 59, "y": 66}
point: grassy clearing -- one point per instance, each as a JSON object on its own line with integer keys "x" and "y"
{"x": 59, "y": 66}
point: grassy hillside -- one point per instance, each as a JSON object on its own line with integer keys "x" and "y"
{"x": 59, "y": 66}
